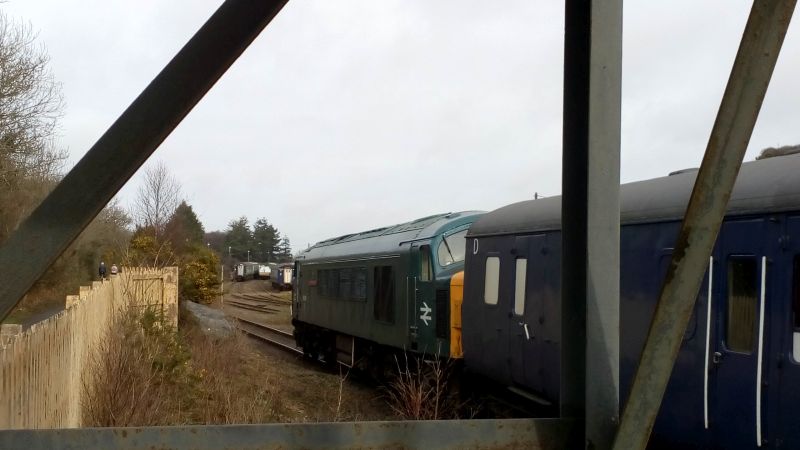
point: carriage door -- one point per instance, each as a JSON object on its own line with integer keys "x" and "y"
{"x": 525, "y": 311}
{"x": 736, "y": 416}
{"x": 786, "y": 330}
{"x": 422, "y": 323}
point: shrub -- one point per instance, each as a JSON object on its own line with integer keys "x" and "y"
{"x": 199, "y": 280}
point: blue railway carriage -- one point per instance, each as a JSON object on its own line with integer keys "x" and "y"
{"x": 282, "y": 276}
{"x": 736, "y": 381}
{"x": 359, "y": 296}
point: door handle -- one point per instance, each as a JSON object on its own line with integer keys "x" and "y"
{"x": 716, "y": 358}
{"x": 527, "y": 332}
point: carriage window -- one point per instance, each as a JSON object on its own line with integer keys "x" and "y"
{"x": 742, "y": 302}
{"x": 383, "y": 292}
{"x": 425, "y": 267}
{"x": 491, "y": 284}
{"x": 452, "y": 248}
{"x": 360, "y": 283}
{"x": 322, "y": 282}
{"x": 519, "y": 286}
{"x": 345, "y": 283}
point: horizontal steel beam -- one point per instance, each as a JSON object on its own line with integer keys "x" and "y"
{"x": 440, "y": 434}
{"x": 127, "y": 144}
{"x": 747, "y": 86}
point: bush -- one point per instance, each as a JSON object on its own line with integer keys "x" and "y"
{"x": 199, "y": 278}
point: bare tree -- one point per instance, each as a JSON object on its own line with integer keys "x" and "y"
{"x": 157, "y": 198}
{"x": 30, "y": 105}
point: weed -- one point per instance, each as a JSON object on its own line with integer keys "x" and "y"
{"x": 421, "y": 390}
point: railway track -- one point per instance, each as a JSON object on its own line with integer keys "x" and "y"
{"x": 252, "y": 306}
{"x": 264, "y": 297}
{"x": 272, "y": 336}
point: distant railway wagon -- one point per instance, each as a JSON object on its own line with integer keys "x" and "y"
{"x": 246, "y": 271}
{"x": 264, "y": 271}
{"x": 282, "y": 276}
{"x": 389, "y": 288}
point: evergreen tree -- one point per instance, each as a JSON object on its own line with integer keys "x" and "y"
{"x": 285, "y": 249}
{"x": 217, "y": 241}
{"x": 265, "y": 238}
{"x": 239, "y": 238}
{"x": 184, "y": 229}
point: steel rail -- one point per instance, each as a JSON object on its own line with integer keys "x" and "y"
{"x": 127, "y": 144}
{"x": 259, "y": 299}
{"x": 266, "y": 339}
{"x": 267, "y": 327}
{"x": 752, "y": 69}
{"x": 259, "y": 308}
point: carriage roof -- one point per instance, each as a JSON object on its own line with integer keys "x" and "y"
{"x": 768, "y": 185}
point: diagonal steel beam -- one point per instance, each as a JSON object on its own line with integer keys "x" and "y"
{"x": 747, "y": 85}
{"x": 128, "y": 143}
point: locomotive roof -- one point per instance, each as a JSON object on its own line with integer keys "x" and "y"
{"x": 386, "y": 240}
{"x": 771, "y": 184}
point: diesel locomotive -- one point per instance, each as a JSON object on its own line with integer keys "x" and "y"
{"x": 360, "y": 295}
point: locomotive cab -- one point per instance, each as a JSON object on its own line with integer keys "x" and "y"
{"x": 433, "y": 264}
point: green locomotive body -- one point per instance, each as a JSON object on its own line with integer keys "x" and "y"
{"x": 357, "y": 295}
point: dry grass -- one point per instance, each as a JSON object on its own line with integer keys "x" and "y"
{"x": 422, "y": 390}
{"x": 232, "y": 389}
{"x": 135, "y": 374}
{"x": 144, "y": 373}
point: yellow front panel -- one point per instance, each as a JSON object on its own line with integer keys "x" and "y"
{"x": 456, "y": 299}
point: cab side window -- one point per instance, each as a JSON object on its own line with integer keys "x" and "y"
{"x": 425, "y": 263}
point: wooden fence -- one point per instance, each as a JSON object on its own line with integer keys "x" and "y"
{"x": 41, "y": 368}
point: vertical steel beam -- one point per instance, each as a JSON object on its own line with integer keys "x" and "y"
{"x": 747, "y": 85}
{"x": 128, "y": 143}
{"x": 590, "y": 217}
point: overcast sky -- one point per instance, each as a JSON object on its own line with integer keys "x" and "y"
{"x": 349, "y": 115}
